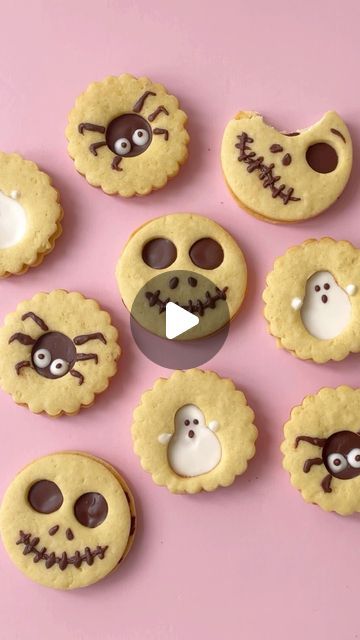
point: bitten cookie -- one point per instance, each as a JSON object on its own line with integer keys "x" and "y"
{"x": 30, "y": 215}
{"x": 286, "y": 177}
{"x": 194, "y": 431}
{"x": 127, "y": 135}
{"x": 186, "y": 259}
{"x": 67, "y": 520}
{"x": 58, "y": 350}
{"x": 312, "y": 300}
{"x": 322, "y": 449}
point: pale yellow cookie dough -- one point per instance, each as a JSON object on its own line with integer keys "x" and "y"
{"x": 54, "y": 532}
{"x": 58, "y": 350}
{"x": 182, "y": 231}
{"x": 30, "y": 215}
{"x": 127, "y": 135}
{"x": 197, "y": 423}
{"x": 253, "y": 154}
{"x": 295, "y": 288}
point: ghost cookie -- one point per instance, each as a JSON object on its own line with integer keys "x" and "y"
{"x": 188, "y": 260}
{"x": 322, "y": 449}
{"x": 286, "y": 177}
{"x": 194, "y": 431}
{"x": 30, "y": 215}
{"x": 127, "y": 135}
{"x": 67, "y": 520}
{"x": 58, "y": 350}
{"x": 312, "y": 300}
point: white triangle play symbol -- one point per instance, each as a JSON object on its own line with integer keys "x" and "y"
{"x": 178, "y": 320}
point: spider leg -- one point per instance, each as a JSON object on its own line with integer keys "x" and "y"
{"x": 78, "y": 375}
{"x": 160, "y": 132}
{"x": 326, "y": 484}
{"x": 22, "y": 338}
{"x": 21, "y": 365}
{"x": 157, "y": 111}
{"x": 115, "y": 163}
{"x": 310, "y": 463}
{"x": 89, "y": 336}
{"x": 87, "y": 126}
{"x": 95, "y": 146}
{"x": 140, "y": 103}
{"x": 318, "y": 442}
{"x": 36, "y": 319}
{"x": 87, "y": 356}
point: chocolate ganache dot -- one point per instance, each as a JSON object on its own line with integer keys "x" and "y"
{"x": 45, "y": 497}
{"x": 159, "y": 253}
{"x": 53, "y": 355}
{"x": 91, "y": 509}
{"x": 206, "y": 253}
{"x": 322, "y": 157}
{"x": 128, "y": 135}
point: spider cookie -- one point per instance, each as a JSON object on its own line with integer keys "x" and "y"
{"x": 186, "y": 259}
{"x": 58, "y": 350}
{"x": 30, "y": 215}
{"x": 312, "y": 300}
{"x": 67, "y": 520}
{"x": 286, "y": 177}
{"x": 194, "y": 431}
{"x": 127, "y": 135}
{"x": 322, "y": 449}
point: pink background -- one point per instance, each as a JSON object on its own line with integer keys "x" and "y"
{"x": 251, "y": 561}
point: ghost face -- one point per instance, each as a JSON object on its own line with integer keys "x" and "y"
{"x": 194, "y": 448}
{"x": 326, "y": 310}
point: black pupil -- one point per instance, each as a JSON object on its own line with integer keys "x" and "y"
{"x": 317, "y": 288}
{"x": 41, "y": 356}
{"x": 58, "y": 366}
{"x": 140, "y": 134}
{"x": 123, "y": 144}
{"x": 196, "y": 421}
{"x": 326, "y": 286}
{"x": 357, "y": 458}
{"x": 337, "y": 462}
{"x": 187, "y": 422}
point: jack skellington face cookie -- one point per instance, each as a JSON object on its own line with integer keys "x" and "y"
{"x": 57, "y": 351}
{"x": 286, "y": 177}
{"x": 312, "y": 300}
{"x": 185, "y": 259}
{"x": 322, "y": 449}
{"x": 127, "y": 135}
{"x": 67, "y": 520}
{"x": 194, "y": 431}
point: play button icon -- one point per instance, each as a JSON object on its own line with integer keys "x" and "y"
{"x": 178, "y": 320}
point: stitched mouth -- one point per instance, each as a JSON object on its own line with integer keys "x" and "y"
{"x": 256, "y": 163}
{"x": 197, "y": 306}
{"x": 63, "y": 561}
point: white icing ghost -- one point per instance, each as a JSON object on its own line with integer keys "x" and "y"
{"x": 13, "y": 220}
{"x": 326, "y": 309}
{"x": 194, "y": 448}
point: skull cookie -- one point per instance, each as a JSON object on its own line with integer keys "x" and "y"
{"x": 127, "y": 135}
{"x": 322, "y": 449}
{"x": 312, "y": 301}
{"x": 67, "y": 520}
{"x": 286, "y": 177}
{"x": 58, "y": 350}
{"x": 185, "y": 259}
{"x": 194, "y": 431}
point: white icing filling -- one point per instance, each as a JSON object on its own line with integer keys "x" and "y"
{"x": 326, "y": 309}
{"x": 193, "y": 448}
{"x": 13, "y": 221}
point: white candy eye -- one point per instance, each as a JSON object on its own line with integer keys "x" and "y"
{"x": 42, "y": 358}
{"x": 140, "y": 137}
{"x": 122, "y": 146}
{"x": 336, "y": 462}
{"x": 59, "y": 367}
{"x": 354, "y": 458}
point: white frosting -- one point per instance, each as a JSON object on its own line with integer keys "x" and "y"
{"x": 351, "y": 289}
{"x": 193, "y": 448}
{"x": 13, "y": 221}
{"x": 326, "y": 309}
{"x": 296, "y": 303}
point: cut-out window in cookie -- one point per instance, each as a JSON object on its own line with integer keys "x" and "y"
{"x": 193, "y": 448}
{"x": 13, "y": 220}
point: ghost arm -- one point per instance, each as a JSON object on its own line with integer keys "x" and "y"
{"x": 213, "y": 425}
{"x": 164, "y": 438}
{"x": 351, "y": 289}
{"x": 296, "y": 303}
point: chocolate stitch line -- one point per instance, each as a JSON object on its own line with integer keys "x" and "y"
{"x": 265, "y": 171}
{"x": 197, "y": 307}
{"x": 30, "y": 546}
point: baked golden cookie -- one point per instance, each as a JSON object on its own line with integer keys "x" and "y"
{"x": 30, "y": 215}
{"x": 286, "y": 177}
{"x": 127, "y": 135}
{"x": 312, "y": 300}
{"x": 186, "y": 259}
{"x": 322, "y": 449}
{"x": 58, "y": 350}
{"x": 194, "y": 431}
{"x": 67, "y": 520}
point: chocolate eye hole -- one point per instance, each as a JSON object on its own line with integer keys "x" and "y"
{"x": 317, "y": 288}
{"x": 326, "y": 286}
{"x": 196, "y": 421}
{"x": 159, "y": 253}
{"x": 322, "y": 157}
{"x": 186, "y": 423}
{"x": 206, "y": 253}
{"x": 91, "y": 509}
{"x": 45, "y": 496}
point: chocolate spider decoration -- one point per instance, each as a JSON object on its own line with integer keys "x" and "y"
{"x": 54, "y": 355}
{"x": 340, "y": 455}
{"x": 127, "y": 135}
